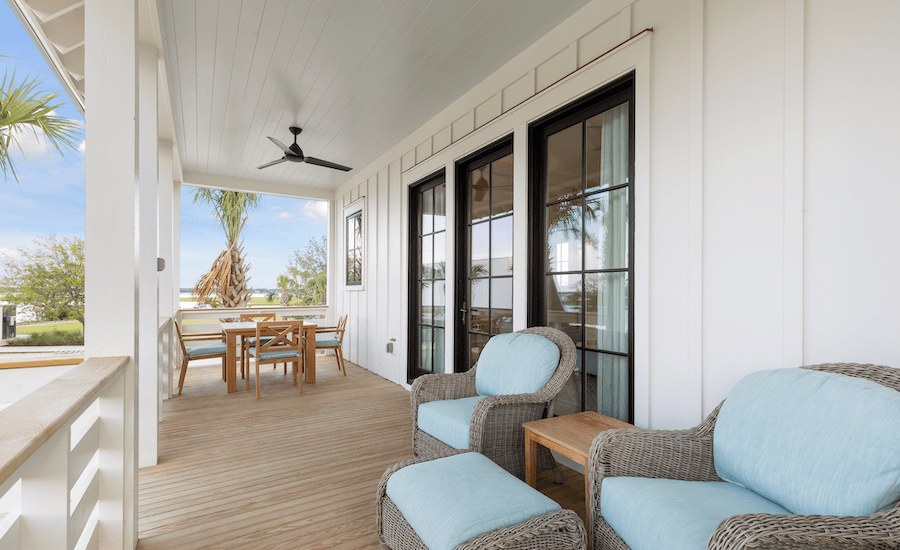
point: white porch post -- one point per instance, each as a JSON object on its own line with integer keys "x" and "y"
{"x": 110, "y": 245}
{"x": 168, "y": 279}
{"x": 148, "y": 301}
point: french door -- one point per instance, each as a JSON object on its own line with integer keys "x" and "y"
{"x": 484, "y": 250}
{"x": 427, "y": 276}
{"x": 581, "y": 274}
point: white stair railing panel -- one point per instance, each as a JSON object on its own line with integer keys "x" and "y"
{"x": 62, "y": 462}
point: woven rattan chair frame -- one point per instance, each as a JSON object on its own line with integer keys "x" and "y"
{"x": 561, "y": 530}
{"x": 496, "y": 429}
{"x": 688, "y": 455}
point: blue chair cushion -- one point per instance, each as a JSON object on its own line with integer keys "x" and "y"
{"x": 268, "y": 355}
{"x": 814, "y": 442}
{"x": 515, "y": 363}
{"x": 327, "y": 342}
{"x": 451, "y": 500}
{"x": 448, "y": 420}
{"x": 205, "y": 349}
{"x": 650, "y": 514}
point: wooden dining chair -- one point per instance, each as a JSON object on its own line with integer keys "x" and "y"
{"x": 332, "y": 338}
{"x": 246, "y": 343}
{"x": 278, "y": 342}
{"x": 203, "y": 351}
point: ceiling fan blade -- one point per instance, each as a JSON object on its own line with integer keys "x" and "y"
{"x": 274, "y": 162}
{"x": 326, "y": 164}
{"x": 282, "y": 146}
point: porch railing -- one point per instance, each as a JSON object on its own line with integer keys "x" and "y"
{"x": 62, "y": 461}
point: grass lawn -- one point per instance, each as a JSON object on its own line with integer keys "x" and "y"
{"x": 46, "y": 327}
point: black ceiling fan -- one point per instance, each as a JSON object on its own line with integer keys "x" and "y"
{"x": 295, "y": 154}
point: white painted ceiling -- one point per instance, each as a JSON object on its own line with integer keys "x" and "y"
{"x": 356, "y": 75}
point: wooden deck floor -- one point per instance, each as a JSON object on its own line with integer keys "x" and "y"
{"x": 287, "y": 471}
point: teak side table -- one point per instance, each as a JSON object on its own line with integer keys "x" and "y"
{"x": 570, "y": 436}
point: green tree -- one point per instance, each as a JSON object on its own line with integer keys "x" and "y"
{"x": 24, "y": 108}
{"x": 49, "y": 278}
{"x": 228, "y": 277}
{"x": 306, "y": 276}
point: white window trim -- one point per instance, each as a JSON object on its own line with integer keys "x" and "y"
{"x": 355, "y": 207}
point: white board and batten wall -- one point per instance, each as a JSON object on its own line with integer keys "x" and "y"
{"x": 765, "y": 188}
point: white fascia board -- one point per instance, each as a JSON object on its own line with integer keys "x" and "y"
{"x": 255, "y": 186}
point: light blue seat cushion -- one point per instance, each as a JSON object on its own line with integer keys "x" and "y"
{"x": 454, "y": 499}
{"x": 327, "y": 342}
{"x": 268, "y": 355}
{"x": 515, "y": 363}
{"x": 448, "y": 420}
{"x": 814, "y": 442}
{"x": 651, "y": 514}
{"x": 205, "y": 349}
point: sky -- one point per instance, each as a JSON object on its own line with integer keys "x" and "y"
{"x": 49, "y": 196}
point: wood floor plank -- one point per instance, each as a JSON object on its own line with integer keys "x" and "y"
{"x": 287, "y": 471}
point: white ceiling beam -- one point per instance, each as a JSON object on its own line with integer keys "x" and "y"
{"x": 255, "y": 186}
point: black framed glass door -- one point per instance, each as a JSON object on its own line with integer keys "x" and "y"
{"x": 581, "y": 265}
{"x": 484, "y": 251}
{"x": 427, "y": 276}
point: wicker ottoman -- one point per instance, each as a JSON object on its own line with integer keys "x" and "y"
{"x": 465, "y": 501}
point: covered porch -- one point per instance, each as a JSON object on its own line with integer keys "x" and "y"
{"x": 761, "y": 233}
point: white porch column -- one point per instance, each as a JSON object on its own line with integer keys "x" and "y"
{"x": 168, "y": 279}
{"x": 110, "y": 30}
{"x": 147, "y": 236}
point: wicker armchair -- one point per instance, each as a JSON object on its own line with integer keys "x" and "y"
{"x": 496, "y": 425}
{"x": 688, "y": 455}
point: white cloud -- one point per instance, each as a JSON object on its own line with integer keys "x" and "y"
{"x": 284, "y": 215}
{"x": 8, "y": 252}
{"x": 32, "y": 142}
{"x": 316, "y": 211}
{"x": 81, "y": 147}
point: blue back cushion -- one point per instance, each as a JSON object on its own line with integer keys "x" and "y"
{"x": 813, "y": 442}
{"x": 453, "y": 499}
{"x": 515, "y": 363}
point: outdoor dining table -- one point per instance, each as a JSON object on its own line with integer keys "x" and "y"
{"x": 247, "y": 329}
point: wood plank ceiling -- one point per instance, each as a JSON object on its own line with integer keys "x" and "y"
{"x": 356, "y": 75}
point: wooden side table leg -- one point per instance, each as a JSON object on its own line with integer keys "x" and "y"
{"x": 530, "y": 460}
{"x": 231, "y": 360}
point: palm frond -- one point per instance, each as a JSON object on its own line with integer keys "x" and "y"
{"x": 23, "y": 108}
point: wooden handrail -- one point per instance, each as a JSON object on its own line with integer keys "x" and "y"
{"x": 30, "y": 422}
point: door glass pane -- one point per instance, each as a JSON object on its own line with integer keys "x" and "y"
{"x": 606, "y": 230}
{"x": 606, "y": 311}
{"x": 440, "y": 253}
{"x": 501, "y": 305}
{"x": 564, "y": 304}
{"x": 608, "y": 388}
{"x": 502, "y": 186}
{"x": 438, "y": 361}
{"x": 425, "y": 361}
{"x": 440, "y": 208}
{"x": 479, "y": 313}
{"x": 502, "y": 247}
{"x": 428, "y": 211}
{"x": 564, "y": 164}
{"x": 480, "y": 252}
{"x": 476, "y": 344}
{"x": 426, "y": 292}
{"x": 427, "y": 257}
{"x": 564, "y": 236}
{"x": 606, "y": 149}
{"x": 480, "y": 193}
{"x": 440, "y": 303}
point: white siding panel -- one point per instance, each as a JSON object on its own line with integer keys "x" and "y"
{"x": 605, "y": 37}
{"x": 518, "y": 91}
{"x": 373, "y": 353}
{"x": 557, "y": 67}
{"x": 441, "y": 139}
{"x": 381, "y": 288}
{"x": 489, "y": 110}
{"x": 464, "y": 125}
{"x": 396, "y": 274}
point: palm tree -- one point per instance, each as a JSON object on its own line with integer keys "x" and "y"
{"x": 227, "y": 277}
{"x": 23, "y": 108}
{"x": 284, "y": 283}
